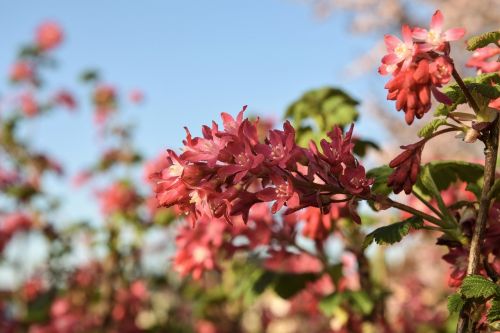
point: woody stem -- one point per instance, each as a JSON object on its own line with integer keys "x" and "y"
{"x": 490, "y": 160}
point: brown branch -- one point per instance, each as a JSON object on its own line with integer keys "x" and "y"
{"x": 490, "y": 154}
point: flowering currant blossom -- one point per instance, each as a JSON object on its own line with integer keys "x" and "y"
{"x": 227, "y": 171}
{"x": 48, "y": 35}
{"x": 399, "y": 51}
{"x": 119, "y": 197}
{"x": 485, "y": 60}
{"x": 435, "y": 38}
{"x": 419, "y": 65}
{"x": 22, "y": 71}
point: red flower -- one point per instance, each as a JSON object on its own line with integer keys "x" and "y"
{"x": 406, "y": 168}
{"x": 65, "y": 98}
{"x": 48, "y": 35}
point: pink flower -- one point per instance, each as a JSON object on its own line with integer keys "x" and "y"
{"x": 136, "y": 96}
{"x": 119, "y": 197}
{"x": 21, "y": 71}
{"x": 283, "y": 193}
{"x": 480, "y": 57}
{"x": 435, "y": 38}
{"x": 65, "y": 98}
{"x": 48, "y": 35}
{"x": 28, "y": 105}
{"x": 198, "y": 247}
{"x": 399, "y": 51}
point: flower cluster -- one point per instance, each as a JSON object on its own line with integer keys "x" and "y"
{"x": 419, "y": 64}
{"x": 226, "y": 171}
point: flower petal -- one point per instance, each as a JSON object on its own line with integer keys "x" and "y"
{"x": 419, "y": 33}
{"x": 391, "y": 42}
{"x": 437, "y": 21}
{"x": 454, "y": 34}
{"x": 391, "y": 59}
{"x": 406, "y": 31}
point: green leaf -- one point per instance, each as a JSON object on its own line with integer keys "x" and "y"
{"x": 357, "y": 300}
{"x": 431, "y": 127}
{"x": 485, "y": 89}
{"x": 453, "y": 92}
{"x": 494, "y": 312}
{"x": 362, "y": 146}
{"x": 89, "y": 75}
{"x": 394, "y": 232}
{"x": 481, "y": 84}
{"x": 285, "y": 285}
{"x": 426, "y": 183}
{"x": 455, "y": 303}
{"x": 329, "y": 303}
{"x": 362, "y": 302}
{"x": 445, "y": 173}
{"x": 317, "y": 111}
{"x": 477, "y": 286}
{"x": 380, "y": 176}
{"x": 483, "y": 40}
{"x": 437, "y": 176}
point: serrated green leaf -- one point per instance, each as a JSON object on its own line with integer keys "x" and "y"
{"x": 455, "y": 303}
{"x": 427, "y": 184}
{"x": 394, "y": 232}
{"x": 477, "y": 286}
{"x": 454, "y": 93}
{"x": 483, "y": 40}
{"x": 380, "y": 176}
{"x": 485, "y": 89}
{"x": 494, "y": 311}
{"x": 431, "y": 127}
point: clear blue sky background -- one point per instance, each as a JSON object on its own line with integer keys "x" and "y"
{"x": 193, "y": 60}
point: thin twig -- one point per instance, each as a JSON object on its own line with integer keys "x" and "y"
{"x": 428, "y": 204}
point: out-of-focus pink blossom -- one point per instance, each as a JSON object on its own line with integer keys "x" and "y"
{"x": 48, "y": 35}
{"x": 136, "y": 96}
{"x": 29, "y": 106}
{"x": 22, "y": 71}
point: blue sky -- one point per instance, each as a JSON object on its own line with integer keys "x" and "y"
{"x": 193, "y": 60}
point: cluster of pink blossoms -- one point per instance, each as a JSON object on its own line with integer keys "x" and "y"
{"x": 419, "y": 64}
{"x": 225, "y": 172}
